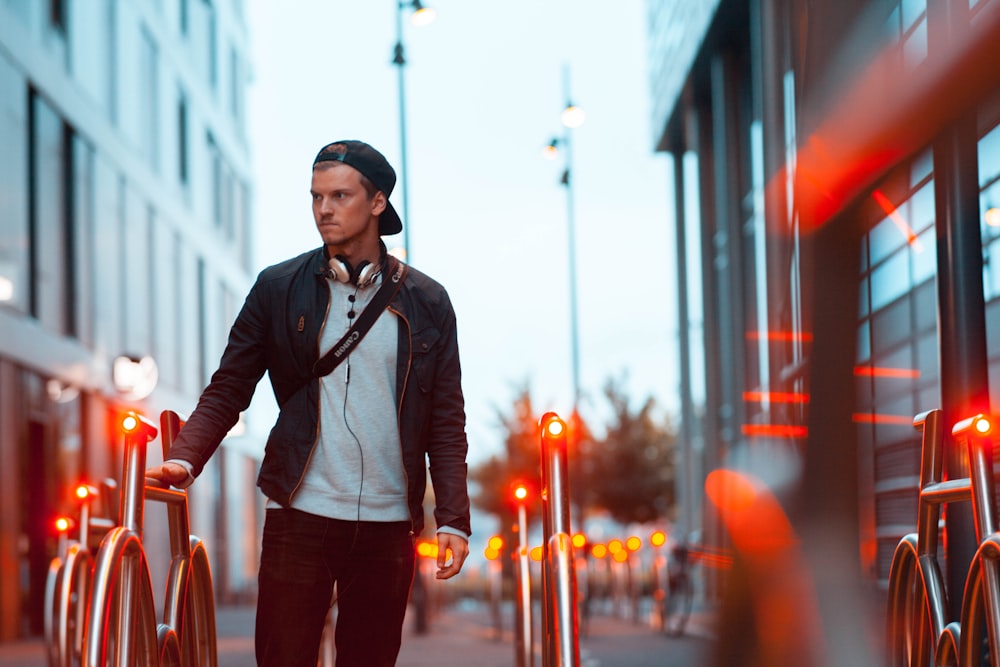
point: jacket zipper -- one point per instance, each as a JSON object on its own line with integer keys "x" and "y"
{"x": 399, "y": 408}
{"x": 312, "y": 450}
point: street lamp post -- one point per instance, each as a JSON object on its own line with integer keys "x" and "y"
{"x": 572, "y": 117}
{"x": 421, "y": 16}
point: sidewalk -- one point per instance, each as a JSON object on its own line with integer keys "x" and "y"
{"x": 461, "y": 634}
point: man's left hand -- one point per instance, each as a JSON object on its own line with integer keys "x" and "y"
{"x": 452, "y": 552}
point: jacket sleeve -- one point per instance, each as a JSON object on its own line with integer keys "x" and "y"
{"x": 447, "y": 445}
{"x": 231, "y": 388}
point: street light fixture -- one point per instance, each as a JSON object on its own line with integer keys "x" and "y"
{"x": 420, "y": 16}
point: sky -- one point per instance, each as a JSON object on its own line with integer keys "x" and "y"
{"x": 485, "y": 85}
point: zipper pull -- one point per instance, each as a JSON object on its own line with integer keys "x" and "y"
{"x": 302, "y": 323}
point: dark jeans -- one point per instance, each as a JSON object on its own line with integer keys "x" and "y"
{"x": 302, "y": 556}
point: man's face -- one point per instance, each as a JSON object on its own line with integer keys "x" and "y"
{"x": 341, "y": 207}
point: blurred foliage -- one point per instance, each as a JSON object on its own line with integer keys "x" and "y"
{"x": 630, "y": 472}
{"x": 520, "y": 461}
{"x": 633, "y": 468}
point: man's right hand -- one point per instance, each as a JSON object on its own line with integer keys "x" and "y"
{"x": 173, "y": 474}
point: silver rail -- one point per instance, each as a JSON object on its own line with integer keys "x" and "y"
{"x": 561, "y": 645}
{"x": 523, "y": 647}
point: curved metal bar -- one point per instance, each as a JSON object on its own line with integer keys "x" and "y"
{"x": 907, "y": 633}
{"x": 203, "y": 605}
{"x": 121, "y": 577}
{"x": 168, "y": 646}
{"x": 937, "y": 595}
{"x": 969, "y": 646}
{"x": 51, "y": 610}
{"x": 178, "y": 584}
{"x": 947, "y": 654}
{"x": 980, "y": 603}
{"x": 73, "y": 610}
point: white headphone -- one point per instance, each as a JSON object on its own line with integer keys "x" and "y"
{"x": 362, "y": 276}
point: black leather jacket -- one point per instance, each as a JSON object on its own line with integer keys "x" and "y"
{"x": 278, "y": 331}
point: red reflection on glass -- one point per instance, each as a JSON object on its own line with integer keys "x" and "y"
{"x": 762, "y": 534}
{"x": 898, "y": 219}
{"x": 774, "y": 431}
{"x": 775, "y": 396}
{"x": 876, "y": 418}
{"x": 886, "y": 372}
{"x": 780, "y": 336}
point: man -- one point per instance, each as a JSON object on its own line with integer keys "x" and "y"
{"x": 345, "y": 465}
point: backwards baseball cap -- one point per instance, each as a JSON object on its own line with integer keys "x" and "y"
{"x": 372, "y": 166}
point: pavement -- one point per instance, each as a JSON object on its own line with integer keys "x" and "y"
{"x": 464, "y": 633}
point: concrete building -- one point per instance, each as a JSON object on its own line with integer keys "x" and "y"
{"x": 125, "y": 234}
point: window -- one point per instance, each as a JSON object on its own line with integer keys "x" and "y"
{"x": 51, "y": 260}
{"x": 137, "y": 317}
{"x": 896, "y": 369}
{"x": 108, "y": 300}
{"x": 213, "y": 58}
{"x": 182, "y": 140}
{"x": 202, "y": 323}
{"x": 216, "y": 169}
{"x": 167, "y": 307}
{"x": 149, "y": 99}
{"x": 92, "y": 48}
{"x": 908, "y": 21}
{"x": 989, "y": 206}
{"x": 14, "y": 229}
{"x": 83, "y": 238}
{"x": 57, "y": 15}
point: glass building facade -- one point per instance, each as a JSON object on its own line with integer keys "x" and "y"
{"x": 124, "y": 232}
{"x": 837, "y": 185}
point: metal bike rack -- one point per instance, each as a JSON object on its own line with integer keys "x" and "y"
{"x": 523, "y": 652}
{"x": 560, "y": 622}
{"x": 122, "y": 625}
{"x": 918, "y": 627}
{"x": 977, "y": 432}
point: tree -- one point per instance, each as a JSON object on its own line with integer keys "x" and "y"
{"x": 631, "y": 471}
{"x": 519, "y": 462}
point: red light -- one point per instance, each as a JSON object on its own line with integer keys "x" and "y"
{"x": 579, "y": 540}
{"x": 521, "y": 492}
{"x": 491, "y": 553}
{"x": 555, "y": 427}
{"x": 633, "y": 543}
{"x": 496, "y": 543}
{"x": 82, "y": 491}
{"x": 535, "y": 554}
{"x": 130, "y": 423}
{"x": 982, "y": 425}
{"x": 658, "y": 538}
{"x": 598, "y": 551}
{"x": 63, "y": 524}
